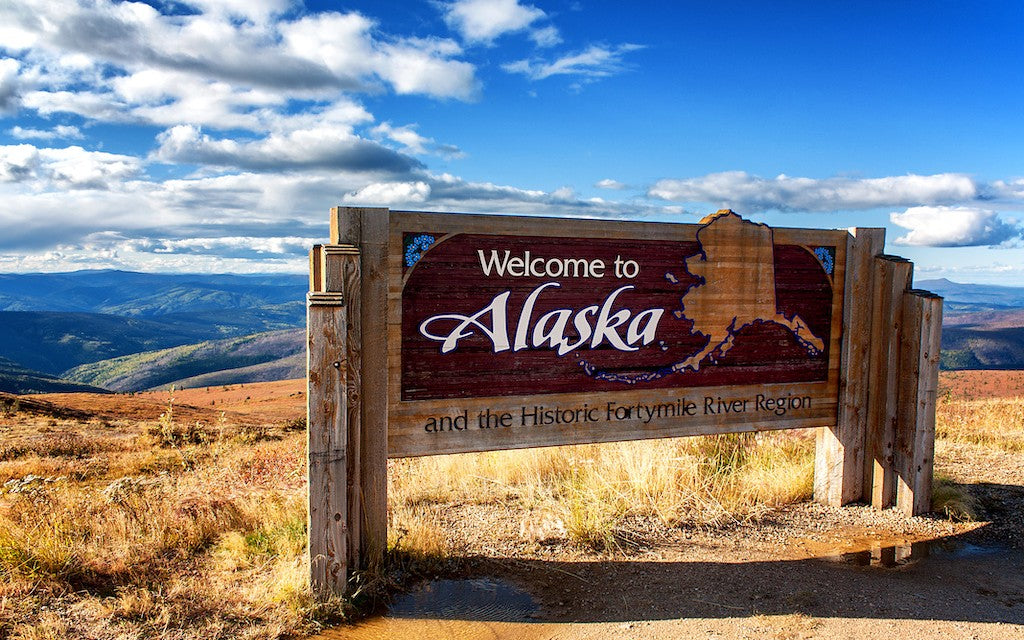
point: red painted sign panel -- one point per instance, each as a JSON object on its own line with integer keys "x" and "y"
{"x": 514, "y": 315}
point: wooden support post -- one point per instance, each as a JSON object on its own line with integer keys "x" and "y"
{"x": 839, "y": 459}
{"x": 341, "y": 273}
{"x": 918, "y": 390}
{"x": 891, "y": 281}
{"x": 327, "y": 443}
{"x": 367, "y": 229}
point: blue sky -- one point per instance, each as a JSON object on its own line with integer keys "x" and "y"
{"x": 214, "y": 135}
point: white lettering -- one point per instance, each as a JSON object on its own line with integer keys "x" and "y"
{"x": 497, "y": 332}
{"x": 594, "y": 324}
{"x": 530, "y": 266}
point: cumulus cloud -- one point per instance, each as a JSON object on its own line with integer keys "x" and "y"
{"x": 596, "y": 61}
{"x": 608, "y": 183}
{"x": 68, "y": 168}
{"x": 224, "y": 246}
{"x": 413, "y": 142}
{"x": 389, "y": 194}
{"x": 241, "y": 43}
{"x": 325, "y": 147}
{"x": 546, "y": 36}
{"x": 10, "y": 97}
{"x": 63, "y": 132}
{"x": 753, "y": 193}
{"x": 1006, "y": 190}
{"x": 446, "y": 192}
{"x": 940, "y": 226}
{"x": 484, "y": 20}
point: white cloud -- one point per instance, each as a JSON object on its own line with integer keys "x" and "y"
{"x": 421, "y": 65}
{"x": 939, "y": 226}
{"x": 100, "y": 105}
{"x": 253, "y": 10}
{"x": 608, "y": 183}
{"x": 1007, "y": 189}
{"x": 9, "y": 85}
{"x": 484, "y": 20}
{"x": 546, "y": 36}
{"x": 389, "y": 194}
{"x": 247, "y": 45}
{"x": 741, "y": 190}
{"x": 61, "y": 131}
{"x": 596, "y": 61}
{"x": 412, "y": 142}
{"x": 223, "y": 246}
{"x": 321, "y": 147}
{"x": 68, "y": 168}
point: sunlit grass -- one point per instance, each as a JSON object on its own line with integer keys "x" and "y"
{"x": 171, "y": 530}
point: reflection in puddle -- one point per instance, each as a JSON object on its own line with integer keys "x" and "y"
{"x": 452, "y": 609}
{"x": 880, "y": 554}
{"x": 482, "y": 599}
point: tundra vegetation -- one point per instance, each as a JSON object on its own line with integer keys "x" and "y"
{"x": 191, "y": 522}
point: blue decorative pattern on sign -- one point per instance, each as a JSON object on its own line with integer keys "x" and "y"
{"x": 827, "y": 257}
{"x": 415, "y": 247}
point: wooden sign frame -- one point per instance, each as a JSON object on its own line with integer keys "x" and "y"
{"x": 874, "y": 401}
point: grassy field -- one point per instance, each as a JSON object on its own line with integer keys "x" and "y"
{"x": 188, "y": 519}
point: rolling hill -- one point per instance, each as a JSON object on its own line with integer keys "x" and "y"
{"x": 54, "y": 322}
{"x": 15, "y": 378}
{"x": 982, "y": 325}
{"x": 255, "y": 358}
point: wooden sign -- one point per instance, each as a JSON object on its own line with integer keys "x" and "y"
{"x": 436, "y": 333}
{"x": 510, "y": 332}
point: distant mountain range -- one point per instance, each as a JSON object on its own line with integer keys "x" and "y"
{"x": 982, "y": 326}
{"x": 124, "y": 331}
{"x": 974, "y": 297}
{"x": 56, "y": 323}
{"x": 127, "y": 293}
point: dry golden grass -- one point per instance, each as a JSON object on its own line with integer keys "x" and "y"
{"x": 991, "y": 422}
{"x": 172, "y": 529}
{"x": 153, "y": 530}
{"x": 590, "y": 489}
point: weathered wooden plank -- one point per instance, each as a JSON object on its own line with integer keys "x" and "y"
{"x": 918, "y": 395}
{"x": 316, "y": 256}
{"x": 341, "y": 274}
{"x": 366, "y": 228}
{"x": 839, "y": 458}
{"x": 327, "y": 443}
{"x": 335, "y": 266}
{"x": 891, "y": 280}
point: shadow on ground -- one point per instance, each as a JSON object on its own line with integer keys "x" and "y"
{"x": 973, "y": 578}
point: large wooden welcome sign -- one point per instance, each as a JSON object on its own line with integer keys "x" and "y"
{"x": 436, "y": 333}
{"x": 512, "y": 332}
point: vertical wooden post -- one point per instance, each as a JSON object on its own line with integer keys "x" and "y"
{"x": 367, "y": 229}
{"x": 341, "y": 273}
{"x": 919, "y": 372}
{"x": 327, "y": 440}
{"x": 839, "y": 459}
{"x": 892, "y": 279}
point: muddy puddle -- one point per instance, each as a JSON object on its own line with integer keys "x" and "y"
{"x": 452, "y": 610}
{"x": 892, "y": 553}
{"x": 498, "y": 610}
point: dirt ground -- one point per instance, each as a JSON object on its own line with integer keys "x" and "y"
{"x": 805, "y": 572}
